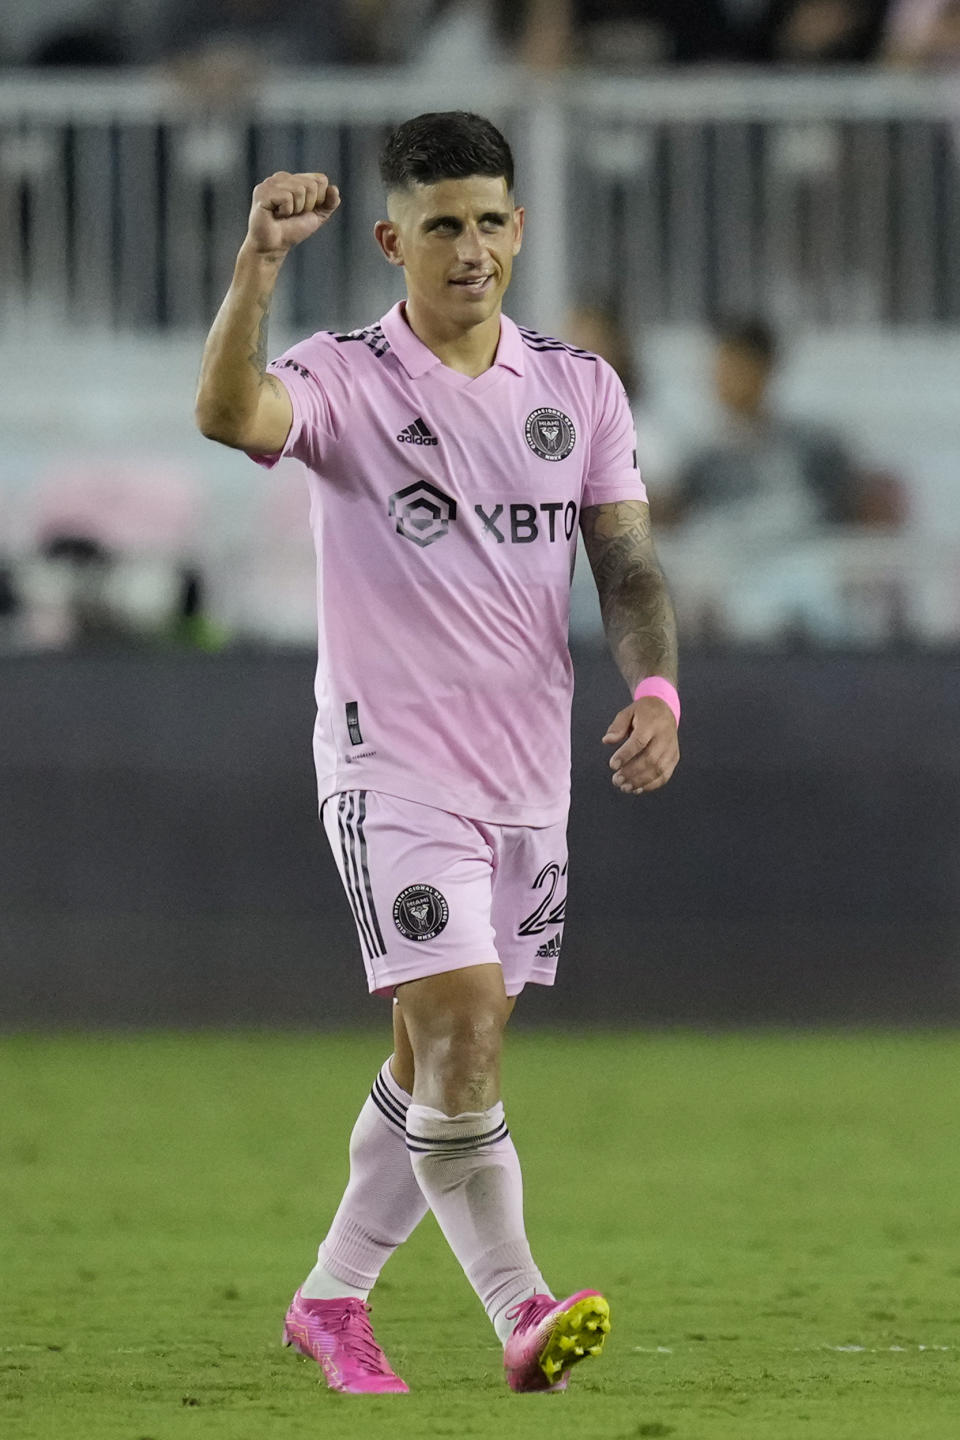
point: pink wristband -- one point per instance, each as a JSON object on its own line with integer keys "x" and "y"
{"x": 663, "y": 690}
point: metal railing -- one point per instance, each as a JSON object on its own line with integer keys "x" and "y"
{"x": 826, "y": 199}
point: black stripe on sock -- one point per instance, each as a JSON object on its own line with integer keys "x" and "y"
{"x": 381, "y": 1093}
{"x": 391, "y": 1120}
{"x": 459, "y": 1139}
{"x": 453, "y": 1154}
{"x": 424, "y": 1146}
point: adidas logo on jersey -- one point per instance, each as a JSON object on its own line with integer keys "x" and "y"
{"x": 550, "y": 949}
{"x": 417, "y": 434}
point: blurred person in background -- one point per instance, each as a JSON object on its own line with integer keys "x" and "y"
{"x": 923, "y": 34}
{"x": 110, "y": 559}
{"x": 769, "y": 475}
{"x": 86, "y": 48}
{"x": 819, "y": 32}
{"x": 623, "y": 34}
{"x": 77, "y": 593}
{"x": 62, "y": 33}
{"x": 598, "y": 328}
{"x": 746, "y": 506}
{"x": 450, "y": 454}
{"x": 549, "y": 35}
{"x": 216, "y": 48}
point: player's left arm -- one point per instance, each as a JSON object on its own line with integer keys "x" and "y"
{"x": 641, "y": 630}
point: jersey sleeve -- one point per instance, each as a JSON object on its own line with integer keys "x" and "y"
{"x": 316, "y": 377}
{"x": 612, "y": 473}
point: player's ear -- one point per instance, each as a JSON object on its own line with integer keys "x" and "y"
{"x": 388, "y": 238}
{"x": 519, "y": 215}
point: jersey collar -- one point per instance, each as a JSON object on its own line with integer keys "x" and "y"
{"x": 417, "y": 358}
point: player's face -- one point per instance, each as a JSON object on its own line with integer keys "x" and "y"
{"x": 456, "y": 241}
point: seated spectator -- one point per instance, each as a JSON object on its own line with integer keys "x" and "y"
{"x": 819, "y": 32}
{"x": 622, "y": 34}
{"x": 78, "y": 593}
{"x": 79, "y": 49}
{"x": 764, "y": 477}
{"x": 923, "y": 33}
{"x": 759, "y": 512}
{"x": 112, "y": 561}
{"x": 61, "y": 33}
{"x": 264, "y": 34}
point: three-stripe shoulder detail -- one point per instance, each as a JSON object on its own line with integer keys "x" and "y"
{"x": 535, "y": 341}
{"x": 370, "y": 335}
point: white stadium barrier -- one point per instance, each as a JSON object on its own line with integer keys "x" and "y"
{"x": 831, "y": 199}
{"x": 829, "y": 203}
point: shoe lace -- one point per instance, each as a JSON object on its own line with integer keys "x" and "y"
{"x": 358, "y": 1338}
{"x": 528, "y": 1312}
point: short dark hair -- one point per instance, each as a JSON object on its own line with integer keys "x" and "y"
{"x": 444, "y": 145}
{"x": 749, "y": 333}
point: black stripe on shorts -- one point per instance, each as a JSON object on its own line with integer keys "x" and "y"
{"x": 364, "y": 870}
{"x": 353, "y": 849}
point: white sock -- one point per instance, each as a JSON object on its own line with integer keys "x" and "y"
{"x": 322, "y": 1284}
{"x": 381, "y": 1205}
{"x": 468, "y": 1169}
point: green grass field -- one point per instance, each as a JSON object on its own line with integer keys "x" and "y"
{"x": 775, "y": 1218}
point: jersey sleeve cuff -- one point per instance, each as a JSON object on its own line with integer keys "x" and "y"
{"x": 611, "y": 491}
{"x": 267, "y": 462}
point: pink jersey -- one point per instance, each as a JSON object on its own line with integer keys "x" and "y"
{"x": 445, "y": 512}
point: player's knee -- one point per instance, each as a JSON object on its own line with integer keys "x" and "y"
{"x": 455, "y": 1023}
{"x": 468, "y": 1041}
{"x": 459, "y": 1060}
{"x": 476, "y": 1041}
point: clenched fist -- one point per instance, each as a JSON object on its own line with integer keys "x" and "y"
{"x": 287, "y": 209}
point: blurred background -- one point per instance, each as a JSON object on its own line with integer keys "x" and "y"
{"x": 752, "y": 209}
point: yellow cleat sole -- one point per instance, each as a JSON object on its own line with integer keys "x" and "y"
{"x": 578, "y": 1333}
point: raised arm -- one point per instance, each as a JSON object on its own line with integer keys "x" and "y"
{"x": 238, "y": 403}
{"x": 639, "y": 623}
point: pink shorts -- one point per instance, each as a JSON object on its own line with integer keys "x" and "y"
{"x": 431, "y": 891}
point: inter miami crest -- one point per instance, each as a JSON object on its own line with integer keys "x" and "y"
{"x": 420, "y": 912}
{"x": 550, "y": 434}
{"x": 423, "y": 513}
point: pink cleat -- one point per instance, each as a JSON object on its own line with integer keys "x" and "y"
{"x": 337, "y": 1334}
{"x": 551, "y": 1335}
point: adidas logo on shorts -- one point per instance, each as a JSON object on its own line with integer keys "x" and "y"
{"x": 417, "y": 434}
{"x": 550, "y": 949}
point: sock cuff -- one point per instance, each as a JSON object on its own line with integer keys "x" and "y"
{"x": 390, "y": 1098}
{"x": 353, "y": 1254}
{"x": 430, "y": 1132}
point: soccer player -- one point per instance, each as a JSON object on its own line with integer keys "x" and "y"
{"x": 451, "y": 457}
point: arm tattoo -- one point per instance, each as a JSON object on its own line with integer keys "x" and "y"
{"x": 637, "y": 613}
{"x": 258, "y": 355}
